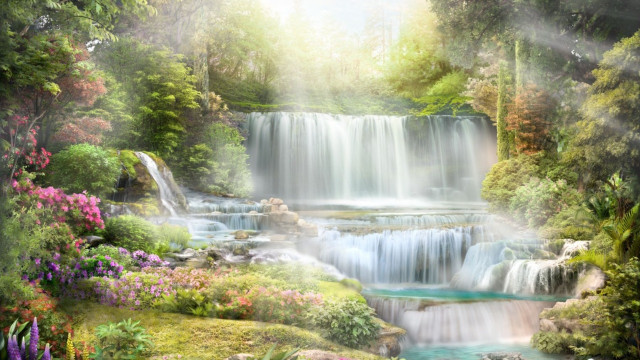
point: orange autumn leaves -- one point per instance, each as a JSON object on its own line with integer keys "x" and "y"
{"x": 528, "y": 118}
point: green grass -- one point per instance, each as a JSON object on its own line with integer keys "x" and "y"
{"x": 202, "y": 338}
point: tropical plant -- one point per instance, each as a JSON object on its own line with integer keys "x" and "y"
{"x": 124, "y": 340}
{"x": 625, "y": 234}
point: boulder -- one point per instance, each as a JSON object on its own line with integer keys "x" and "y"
{"x": 94, "y": 241}
{"x": 264, "y": 202}
{"x": 185, "y": 255}
{"x": 502, "y": 356}
{"x": 289, "y": 217}
{"x": 253, "y": 212}
{"x": 275, "y": 201}
{"x": 241, "y": 235}
{"x": 283, "y": 208}
{"x": 387, "y": 344}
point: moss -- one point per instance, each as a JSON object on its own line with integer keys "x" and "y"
{"x": 352, "y": 284}
{"x": 337, "y": 291}
{"x": 129, "y": 159}
{"x": 202, "y": 338}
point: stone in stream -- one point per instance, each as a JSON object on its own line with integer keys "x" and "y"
{"x": 241, "y": 235}
{"x": 502, "y": 356}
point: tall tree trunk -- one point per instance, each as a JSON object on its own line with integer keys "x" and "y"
{"x": 503, "y": 134}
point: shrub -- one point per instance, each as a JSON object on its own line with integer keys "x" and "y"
{"x": 120, "y": 255}
{"x": 84, "y": 167}
{"x": 352, "y": 284}
{"x": 133, "y": 290}
{"x": 556, "y": 342}
{"x": 348, "y": 322}
{"x": 188, "y": 301}
{"x": 124, "y": 340}
{"x": 172, "y": 238}
{"x": 505, "y": 177}
{"x": 570, "y": 223}
{"x": 130, "y": 232}
{"x": 145, "y": 260}
{"x": 539, "y": 200}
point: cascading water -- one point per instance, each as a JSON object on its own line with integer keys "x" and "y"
{"x": 429, "y": 171}
{"x": 169, "y": 192}
{"x": 310, "y": 156}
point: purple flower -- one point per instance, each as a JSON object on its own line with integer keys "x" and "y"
{"x": 56, "y": 257}
{"x": 37, "y": 261}
{"x": 33, "y": 341}
{"x": 47, "y": 353}
{"x": 23, "y": 350}
{"x": 49, "y": 276}
{"x": 12, "y": 349}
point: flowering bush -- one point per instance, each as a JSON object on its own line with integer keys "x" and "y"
{"x": 22, "y": 146}
{"x": 198, "y": 279}
{"x": 120, "y": 255}
{"x": 134, "y": 291}
{"x": 148, "y": 260}
{"x": 269, "y": 305}
{"x": 78, "y": 210}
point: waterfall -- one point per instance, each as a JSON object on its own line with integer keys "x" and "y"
{"x": 170, "y": 196}
{"x": 310, "y": 156}
{"x": 482, "y": 321}
{"x": 429, "y": 256}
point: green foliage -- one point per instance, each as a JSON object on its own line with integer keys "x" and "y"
{"x": 285, "y": 355}
{"x": 107, "y": 250}
{"x": 570, "y": 223}
{"x": 124, "y": 340}
{"x": 172, "y": 238}
{"x": 538, "y": 200}
{"x": 562, "y": 342}
{"x": 188, "y": 301}
{"x": 624, "y": 233}
{"x": 348, "y": 322}
{"x": 219, "y": 166}
{"x": 616, "y": 333}
{"x": 130, "y": 232}
{"x": 160, "y": 88}
{"x": 606, "y": 139}
{"x": 84, "y": 167}
{"x": 505, "y": 177}
{"x": 352, "y": 284}
{"x": 445, "y": 94}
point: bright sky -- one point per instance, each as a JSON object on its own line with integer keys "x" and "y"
{"x": 351, "y": 14}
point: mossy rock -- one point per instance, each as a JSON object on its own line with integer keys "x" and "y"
{"x": 195, "y": 337}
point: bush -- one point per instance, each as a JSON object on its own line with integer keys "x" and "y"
{"x": 124, "y": 340}
{"x": 84, "y": 167}
{"x": 570, "y": 223}
{"x": 505, "y": 177}
{"x": 172, "y": 238}
{"x": 121, "y": 256}
{"x": 556, "y": 342}
{"x": 539, "y": 200}
{"x": 188, "y": 301}
{"x": 130, "y": 232}
{"x": 348, "y": 322}
{"x": 133, "y": 290}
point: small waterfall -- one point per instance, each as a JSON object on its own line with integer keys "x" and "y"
{"x": 483, "y": 321}
{"x": 429, "y": 256}
{"x": 311, "y": 156}
{"x": 479, "y": 266}
{"x": 540, "y": 277}
{"x": 238, "y": 221}
{"x": 169, "y": 192}
{"x": 431, "y": 220}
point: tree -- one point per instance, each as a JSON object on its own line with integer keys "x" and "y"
{"x": 528, "y": 117}
{"x": 160, "y": 92}
{"x": 607, "y": 139}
